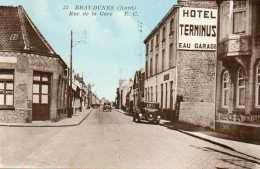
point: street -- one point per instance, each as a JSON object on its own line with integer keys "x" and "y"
{"x": 112, "y": 140}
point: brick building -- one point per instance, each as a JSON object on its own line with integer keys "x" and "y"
{"x": 238, "y": 91}
{"x": 181, "y": 62}
{"x": 32, "y": 76}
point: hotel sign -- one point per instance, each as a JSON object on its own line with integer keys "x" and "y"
{"x": 197, "y": 29}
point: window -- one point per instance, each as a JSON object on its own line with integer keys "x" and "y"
{"x": 157, "y": 40}
{"x": 14, "y": 37}
{"x": 146, "y": 69}
{"x": 151, "y": 66}
{"x": 151, "y": 94}
{"x": 147, "y": 49}
{"x": 151, "y": 47}
{"x": 163, "y": 34}
{"x": 171, "y": 26}
{"x": 156, "y": 63}
{"x": 241, "y": 88}
{"x": 225, "y": 89}
{"x": 239, "y": 16}
{"x": 6, "y": 87}
{"x": 257, "y": 17}
{"x": 171, "y": 55}
{"x": 148, "y": 88}
{"x": 161, "y": 95}
{"x": 257, "y": 94}
{"x": 163, "y": 59}
{"x": 166, "y": 94}
{"x": 171, "y": 95}
{"x": 156, "y": 93}
{"x": 146, "y": 94}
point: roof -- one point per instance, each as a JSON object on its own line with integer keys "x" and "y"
{"x": 162, "y": 21}
{"x": 18, "y": 33}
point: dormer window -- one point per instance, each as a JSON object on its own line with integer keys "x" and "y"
{"x": 14, "y": 37}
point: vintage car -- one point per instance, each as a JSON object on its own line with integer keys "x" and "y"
{"x": 149, "y": 111}
{"x": 107, "y": 106}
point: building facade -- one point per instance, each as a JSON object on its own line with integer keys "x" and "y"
{"x": 138, "y": 88}
{"x": 124, "y": 89}
{"x": 33, "y": 78}
{"x": 180, "y": 72}
{"x": 238, "y": 94}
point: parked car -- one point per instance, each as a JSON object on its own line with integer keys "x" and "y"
{"x": 107, "y": 106}
{"x": 149, "y": 111}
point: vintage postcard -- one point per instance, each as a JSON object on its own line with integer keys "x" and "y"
{"x": 130, "y": 84}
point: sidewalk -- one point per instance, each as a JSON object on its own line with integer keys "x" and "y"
{"x": 251, "y": 149}
{"x": 76, "y": 120}
{"x": 235, "y": 144}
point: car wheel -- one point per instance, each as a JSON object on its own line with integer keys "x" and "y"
{"x": 157, "y": 122}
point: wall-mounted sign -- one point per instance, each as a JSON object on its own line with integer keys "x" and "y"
{"x": 197, "y": 29}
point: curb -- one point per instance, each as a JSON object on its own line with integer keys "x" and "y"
{"x": 206, "y": 139}
{"x": 51, "y": 125}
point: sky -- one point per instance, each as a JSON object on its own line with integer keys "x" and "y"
{"x": 106, "y": 48}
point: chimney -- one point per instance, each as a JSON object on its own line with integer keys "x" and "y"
{"x": 182, "y": 2}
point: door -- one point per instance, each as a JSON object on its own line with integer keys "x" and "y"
{"x": 41, "y": 98}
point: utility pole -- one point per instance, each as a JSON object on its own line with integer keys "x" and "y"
{"x": 70, "y": 78}
{"x": 72, "y": 44}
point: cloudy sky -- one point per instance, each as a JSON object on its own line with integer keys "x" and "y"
{"x": 111, "y": 47}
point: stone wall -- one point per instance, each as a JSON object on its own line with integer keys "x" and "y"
{"x": 197, "y": 76}
{"x": 15, "y": 116}
{"x": 198, "y": 113}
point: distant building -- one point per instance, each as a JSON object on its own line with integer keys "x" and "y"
{"x": 238, "y": 75}
{"x": 124, "y": 88}
{"x": 79, "y": 97}
{"x": 33, "y": 78}
{"x": 138, "y": 88}
{"x": 180, "y": 62}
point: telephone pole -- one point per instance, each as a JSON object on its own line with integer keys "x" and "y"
{"x": 70, "y": 77}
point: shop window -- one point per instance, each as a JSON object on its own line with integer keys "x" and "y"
{"x": 225, "y": 89}
{"x": 239, "y": 16}
{"x": 6, "y": 87}
{"x": 241, "y": 87}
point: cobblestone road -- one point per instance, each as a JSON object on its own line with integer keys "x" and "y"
{"x": 112, "y": 140}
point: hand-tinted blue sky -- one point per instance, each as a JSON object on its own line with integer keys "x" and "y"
{"x": 114, "y": 47}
